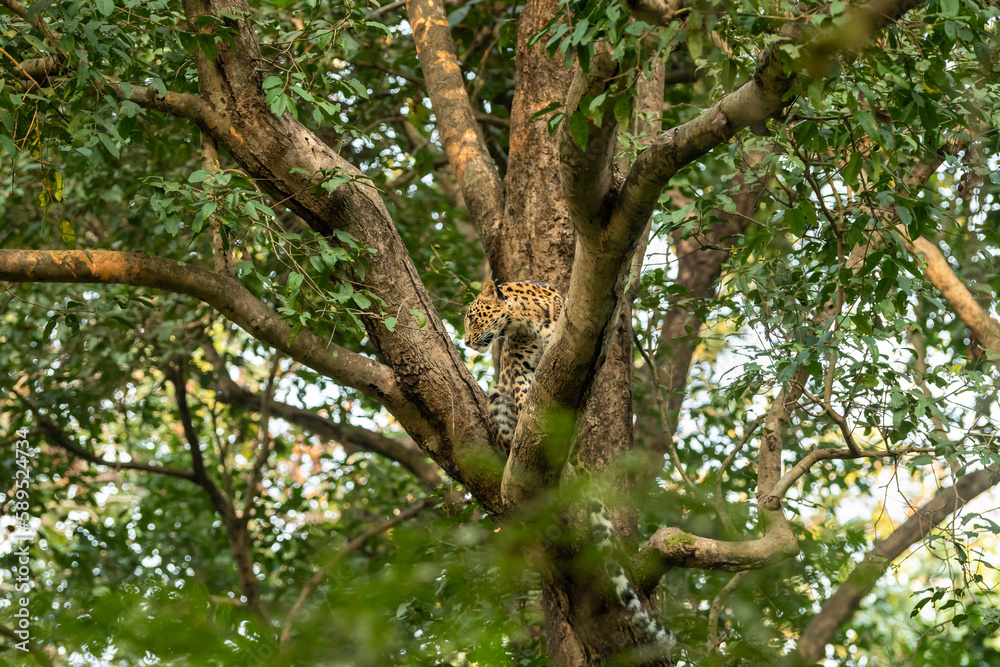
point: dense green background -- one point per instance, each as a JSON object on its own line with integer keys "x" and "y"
{"x": 132, "y": 567}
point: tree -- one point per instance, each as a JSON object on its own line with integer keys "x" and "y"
{"x": 820, "y": 177}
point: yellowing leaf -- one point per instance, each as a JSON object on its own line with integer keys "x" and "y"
{"x": 68, "y": 233}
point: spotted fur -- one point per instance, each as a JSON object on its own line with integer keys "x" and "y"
{"x": 649, "y": 629}
{"x": 523, "y": 316}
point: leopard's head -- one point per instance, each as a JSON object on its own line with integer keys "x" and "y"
{"x": 486, "y": 317}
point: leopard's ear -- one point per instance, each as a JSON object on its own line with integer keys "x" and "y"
{"x": 490, "y": 289}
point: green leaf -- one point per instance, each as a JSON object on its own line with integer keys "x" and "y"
{"x": 200, "y": 176}
{"x": 359, "y": 88}
{"x": 623, "y": 109}
{"x": 109, "y": 144}
{"x": 294, "y": 282}
{"x": 105, "y": 6}
{"x": 68, "y": 234}
{"x": 580, "y": 129}
{"x": 458, "y": 15}
{"x": 390, "y": 323}
{"x": 208, "y": 45}
{"x": 421, "y": 318}
{"x": 548, "y": 108}
{"x": 8, "y": 145}
{"x": 904, "y": 215}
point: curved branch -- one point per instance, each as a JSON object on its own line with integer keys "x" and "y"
{"x": 984, "y": 328}
{"x": 456, "y": 121}
{"x": 223, "y": 293}
{"x": 839, "y": 607}
{"x": 672, "y": 547}
{"x": 754, "y": 102}
{"x": 817, "y": 455}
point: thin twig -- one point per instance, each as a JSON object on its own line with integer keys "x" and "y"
{"x": 713, "y": 611}
{"x": 661, "y": 408}
{"x": 352, "y": 546}
{"x": 816, "y": 455}
{"x": 720, "y": 505}
{"x": 839, "y": 419}
{"x": 265, "y": 442}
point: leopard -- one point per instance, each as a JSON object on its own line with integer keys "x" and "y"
{"x": 523, "y": 315}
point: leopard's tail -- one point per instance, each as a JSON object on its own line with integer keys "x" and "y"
{"x": 660, "y": 639}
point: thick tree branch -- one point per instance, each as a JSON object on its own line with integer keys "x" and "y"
{"x": 223, "y": 293}
{"x": 587, "y": 172}
{"x": 456, "y": 121}
{"x": 441, "y": 405}
{"x": 754, "y": 102}
{"x": 672, "y": 547}
{"x": 536, "y": 239}
{"x": 839, "y": 607}
{"x": 603, "y": 256}
{"x": 984, "y": 328}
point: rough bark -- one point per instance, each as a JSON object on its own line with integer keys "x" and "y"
{"x": 463, "y": 141}
{"x": 419, "y": 376}
{"x": 448, "y": 407}
{"x": 535, "y": 240}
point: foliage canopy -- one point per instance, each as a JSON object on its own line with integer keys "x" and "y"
{"x": 205, "y": 493}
